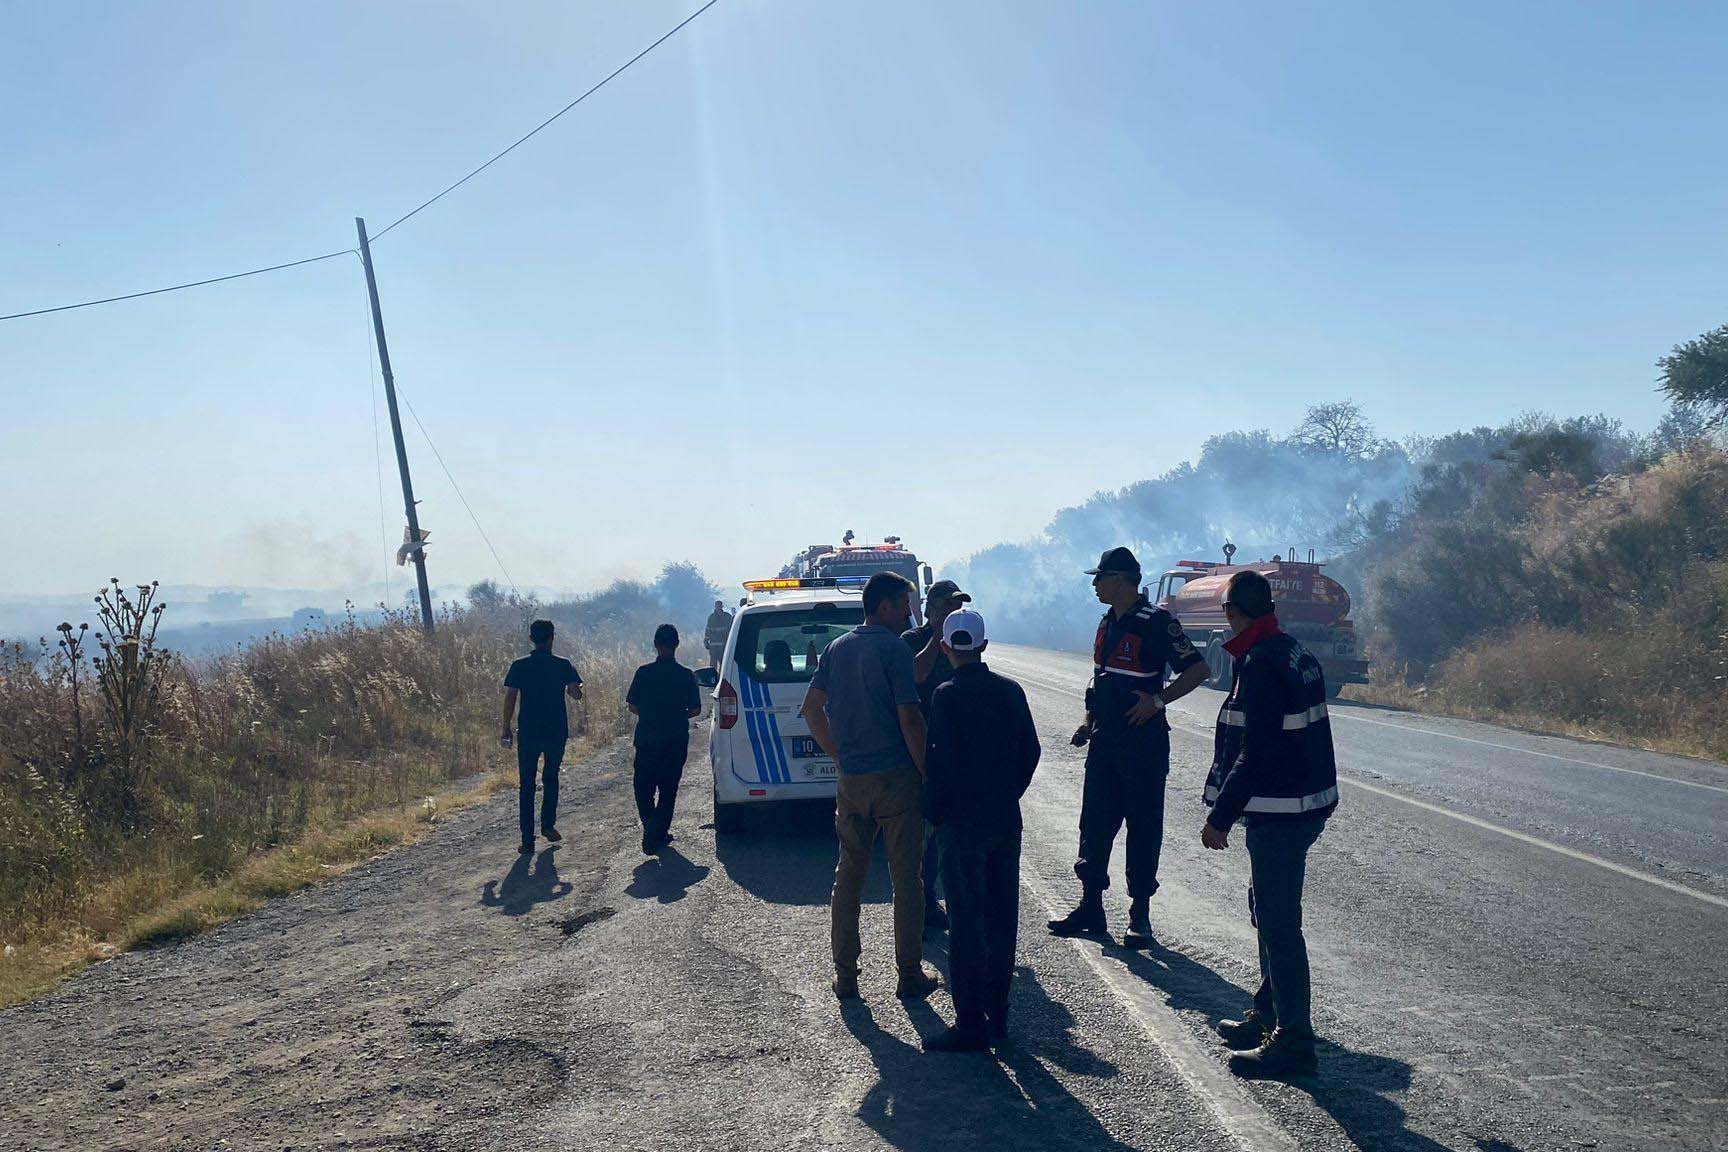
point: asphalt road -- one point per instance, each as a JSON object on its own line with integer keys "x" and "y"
{"x": 1519, "y": 944}
{"x": 1519, "y": 941}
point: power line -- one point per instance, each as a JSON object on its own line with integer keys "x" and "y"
{"x": 178, "y": 287}
{"x": 346, "y": 251}
{"x": 457, "y": 487}
{"x": 523, "y": 140}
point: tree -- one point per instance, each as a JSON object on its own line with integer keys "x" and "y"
{"x": 1695, "y": 375}
{"x": 1338, "y": 428}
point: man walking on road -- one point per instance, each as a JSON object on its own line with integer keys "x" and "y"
{"x": 541, "y": 680}
{"x": 862, "y": 709}
{"x": 931, "y": 670}
{"x": 983, "y": 750}
{"x": 1272, "y": 768}
{"x": 715, "y": 634}
{"x": 664, "y": 699}
{"x": 1129, "y": 757}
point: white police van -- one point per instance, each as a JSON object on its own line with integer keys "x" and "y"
{"x": 759, "y": 746}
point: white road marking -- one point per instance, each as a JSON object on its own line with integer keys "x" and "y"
{"x": 1337, "y": 715}
{"x": 1351, "y": 716}
{"x": 1250, "y": 1125}
{"x": 1522, "y": 837}
{"x": 1538, "y": 842}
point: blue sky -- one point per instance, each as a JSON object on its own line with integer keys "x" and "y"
{"x": 931, "y": 269}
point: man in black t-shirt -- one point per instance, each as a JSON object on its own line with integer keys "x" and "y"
{"x": 1129, "y": 758}
{"x": 541, "y": 681}
{"x": 664, "y": 699}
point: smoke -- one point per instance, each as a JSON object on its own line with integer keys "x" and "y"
{"x": 1327, "y": 485}
{"x": 294, "y": 553}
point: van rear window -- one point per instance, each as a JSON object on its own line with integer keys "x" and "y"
{"x": 783, "y": 647}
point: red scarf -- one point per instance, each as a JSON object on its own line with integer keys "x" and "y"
{"x": 1258, "y": 630}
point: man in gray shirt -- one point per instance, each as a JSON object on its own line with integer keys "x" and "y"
{"x": 862, "y": 708}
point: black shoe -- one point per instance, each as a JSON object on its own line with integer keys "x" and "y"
{"x": 1281, "y": 1057}
{"x": 954, "y": 1040}
{"x": 526, "y": 848}
{"x": 552, "y": 834}
{"x": 845, "y": 986}
{"x": 1086, "y": 920}
{"x": 650, "y": 844}
{"x": 1243, "y": 1035}
{"x": 935, "y": 919}
{"x": 1139, "y": 921}
{"x": 996, "y": 1030}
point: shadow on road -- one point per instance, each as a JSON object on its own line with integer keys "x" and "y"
{"x": 531, "y": 880}
{"x": 1355, "y": 1088}
{"x": 665, "y": 877}
{"x": 935, "y": 1103}
{"x": 785, "y": 855}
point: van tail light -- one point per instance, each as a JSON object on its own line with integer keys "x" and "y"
{"x": 726, "y": 704}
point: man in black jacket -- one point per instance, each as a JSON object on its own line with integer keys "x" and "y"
{"x": 664, "y": 699}
{"x": 981, "y": 755}
{"x": 1273, "y": 769}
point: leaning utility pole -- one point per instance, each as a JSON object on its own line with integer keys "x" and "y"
{"x": 416, "y": 547}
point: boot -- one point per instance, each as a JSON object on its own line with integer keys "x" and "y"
{"x": 1281, "y": 1057}
{"x": 845, "y": 985}
{"x": 1086, "y": 920}
{"x": 1243, "y": 1035}
{"x": 918, "y": 984}
{"x": 1139, "y": 920}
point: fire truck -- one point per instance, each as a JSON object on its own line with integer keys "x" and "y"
{"x": 847, "y": 559}
{"x": 1312, "y": 607}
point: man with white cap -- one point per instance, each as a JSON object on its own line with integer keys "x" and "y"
{"x": 981, "y": 754}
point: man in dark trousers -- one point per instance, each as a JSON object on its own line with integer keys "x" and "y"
{"x": 862, "y": 709}
{"x": 714, "y": 635}
{"x": 1273, "y": 769}
{"x": 931, "y": 670}
{"x": 1129, "y": 757}
{"x": 541, "y": 680}
{"x": 983, "y": 750}
{"x": 663, "y": 697}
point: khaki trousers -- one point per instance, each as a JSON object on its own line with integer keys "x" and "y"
{"x": 865, "y": 804}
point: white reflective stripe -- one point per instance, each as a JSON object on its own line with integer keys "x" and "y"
{"x": 1211, "y": 793}
{"x": 1233, "y": 718}
{"x": 1295, "y": 720}
{"x": 1292, "y": 803}
{"x": 1124, "y": 672}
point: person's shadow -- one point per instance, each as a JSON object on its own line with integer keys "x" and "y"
{"x": 1354, "y": 1088}
{"x": 665, "y": 877}
{"x": 927, "y": 1102}
{"x": 532, "y": 880}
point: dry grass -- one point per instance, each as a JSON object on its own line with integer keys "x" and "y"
{"x": 267, "y": 770}
{"x": 1663, "y": 687}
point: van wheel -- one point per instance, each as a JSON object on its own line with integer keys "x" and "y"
{"x": 728, "y": 817}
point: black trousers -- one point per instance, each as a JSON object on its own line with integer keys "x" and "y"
{"x": 530, "y": 751}
{"x": 1277, "y": 866}
{"x": 1125, "y": 775}
{"x": 659, "y": 768}
{"x": 981, "y": 878}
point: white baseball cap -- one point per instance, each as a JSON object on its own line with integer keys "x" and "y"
{"x": 965, "y": 620}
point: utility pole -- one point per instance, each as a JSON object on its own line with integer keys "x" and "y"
{"x": 417, "y": 550}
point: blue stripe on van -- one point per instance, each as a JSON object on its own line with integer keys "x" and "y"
{"x": 763, "y": 718}
{"x": 777, "y": 747}
{"x": 750, "y": 727}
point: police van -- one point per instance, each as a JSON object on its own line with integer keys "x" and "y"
{"x": 759, "y": 746}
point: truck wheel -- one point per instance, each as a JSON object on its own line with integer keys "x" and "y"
{"x": 728, "y": 818}
{"x": 1218, "y": 661}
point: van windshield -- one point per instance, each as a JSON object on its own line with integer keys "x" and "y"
{"x": 783, "y": 647}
